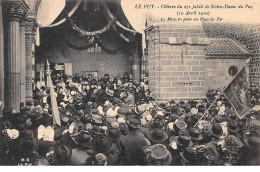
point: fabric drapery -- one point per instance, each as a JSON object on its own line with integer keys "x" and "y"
{"x": 47, "y": 12}
{"x": 137, "y": 19}
{"x": 69, "y": 14}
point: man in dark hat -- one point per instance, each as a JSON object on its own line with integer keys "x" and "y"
{"x": 232, "y": 128}
{"x": 252, "y": 141}
{"x": 80, "y": 154}
{"x": 210, "y": 155}
{"x": 99, "y": 159}
{"x": 123, "y": 128}
{"x": 132, "y": 145}
{"x": 101, "y": 144}
{"x": 190, "y": 156}
{"x": 157, "y": 135}
{"x": 62, "y": 155}
{"x": 28, "y": 154}
{"x": 195, "y": 135}
{"x": 114, "y": 134}
{"x": 216, "y": 132}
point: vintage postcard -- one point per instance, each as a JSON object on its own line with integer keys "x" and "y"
{"x": 129, "y": 83}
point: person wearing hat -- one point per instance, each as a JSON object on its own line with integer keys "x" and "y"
{"x": 189, "y": 156}
{"x": 114, "y": 134}
{"x": 101, "y": 144}
{"x": 216, "y": 130}
{"x": 9, "y": 141}
{"x": 99, "y": 159}
{"x": 216, "y": 133}
{"x": 173, "y": 118}
{"x": 86, "y": 119}
{"x": 80, "y": 153}
{"x": 45, "y": 141}
{"x": 210, "y": 156}
{"x": 170, "y": 130}
{"x": 132, "y": 145}
{"x": 130, "y": 99}
{"x": 232, "y": 128}
{"x": 157, "y": 122}
{"x": 123, "y": 128}
{"x": 218, "y": 119}
{"x": 181, "y": 141}
{"x": 62, "y": 155}
{"x": 252, "y": 142}
{"x": 205, "y": 127}
{"x": 241, "y": 128}
{"x": 174, "y": 109}
{"x": 140, "y": 109}
{"x": 96, "y": 130}
{"x": 157, "y": 135}
{"x": 157, "y": 154}
{"x": 179, "y": 126}
{"x": 195, "y": 135}
{"x": 84, "y": 140}
{"x": 126, "y": 79}
{"x": 193, "y": 118}
{"x": 27, "y": 148}
{"x": 175, "y": 153}
{"x": 145, "y": 126}
{"x": 60, "y": 129}
{"x": 111, "y": 114}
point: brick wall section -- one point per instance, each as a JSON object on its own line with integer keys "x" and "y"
{"x": 168, "y": 44}
{"x": 216, "y": 71}
{"x": 246, "y": 34}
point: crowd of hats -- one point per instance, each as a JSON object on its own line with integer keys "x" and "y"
{"x": 96, "y": 113}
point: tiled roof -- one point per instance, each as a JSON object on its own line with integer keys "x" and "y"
{"x": 226, "y": 47}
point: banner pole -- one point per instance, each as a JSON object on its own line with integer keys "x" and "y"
{"x": 248, "y": 60}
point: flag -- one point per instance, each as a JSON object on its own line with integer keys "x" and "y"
{"x": 238, "y": 95}
{"x": 55, "y": 111}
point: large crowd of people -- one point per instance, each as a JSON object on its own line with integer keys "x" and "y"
{"x": 117, "y": 121}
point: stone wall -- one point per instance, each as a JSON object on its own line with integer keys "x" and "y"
{"x": 216, "y": 71}
{"x": 176, "y": 55}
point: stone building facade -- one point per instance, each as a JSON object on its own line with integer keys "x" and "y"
{"x": 180, "y": 67}
{"x": 248, "y": 35}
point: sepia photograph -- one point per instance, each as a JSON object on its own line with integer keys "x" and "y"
{"x": 129, "y": 83}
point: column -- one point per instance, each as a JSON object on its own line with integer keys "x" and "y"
{"x": 1, "y": 59}
{"x": 23, "y": 62}
{"x": 29, "y": 43}
{"x": 13, "y": 93}
{"x": 33, "y": 60}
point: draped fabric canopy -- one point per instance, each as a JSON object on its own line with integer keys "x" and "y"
{"x": 137, "y": 19}
{"x": 47, "y": 12}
